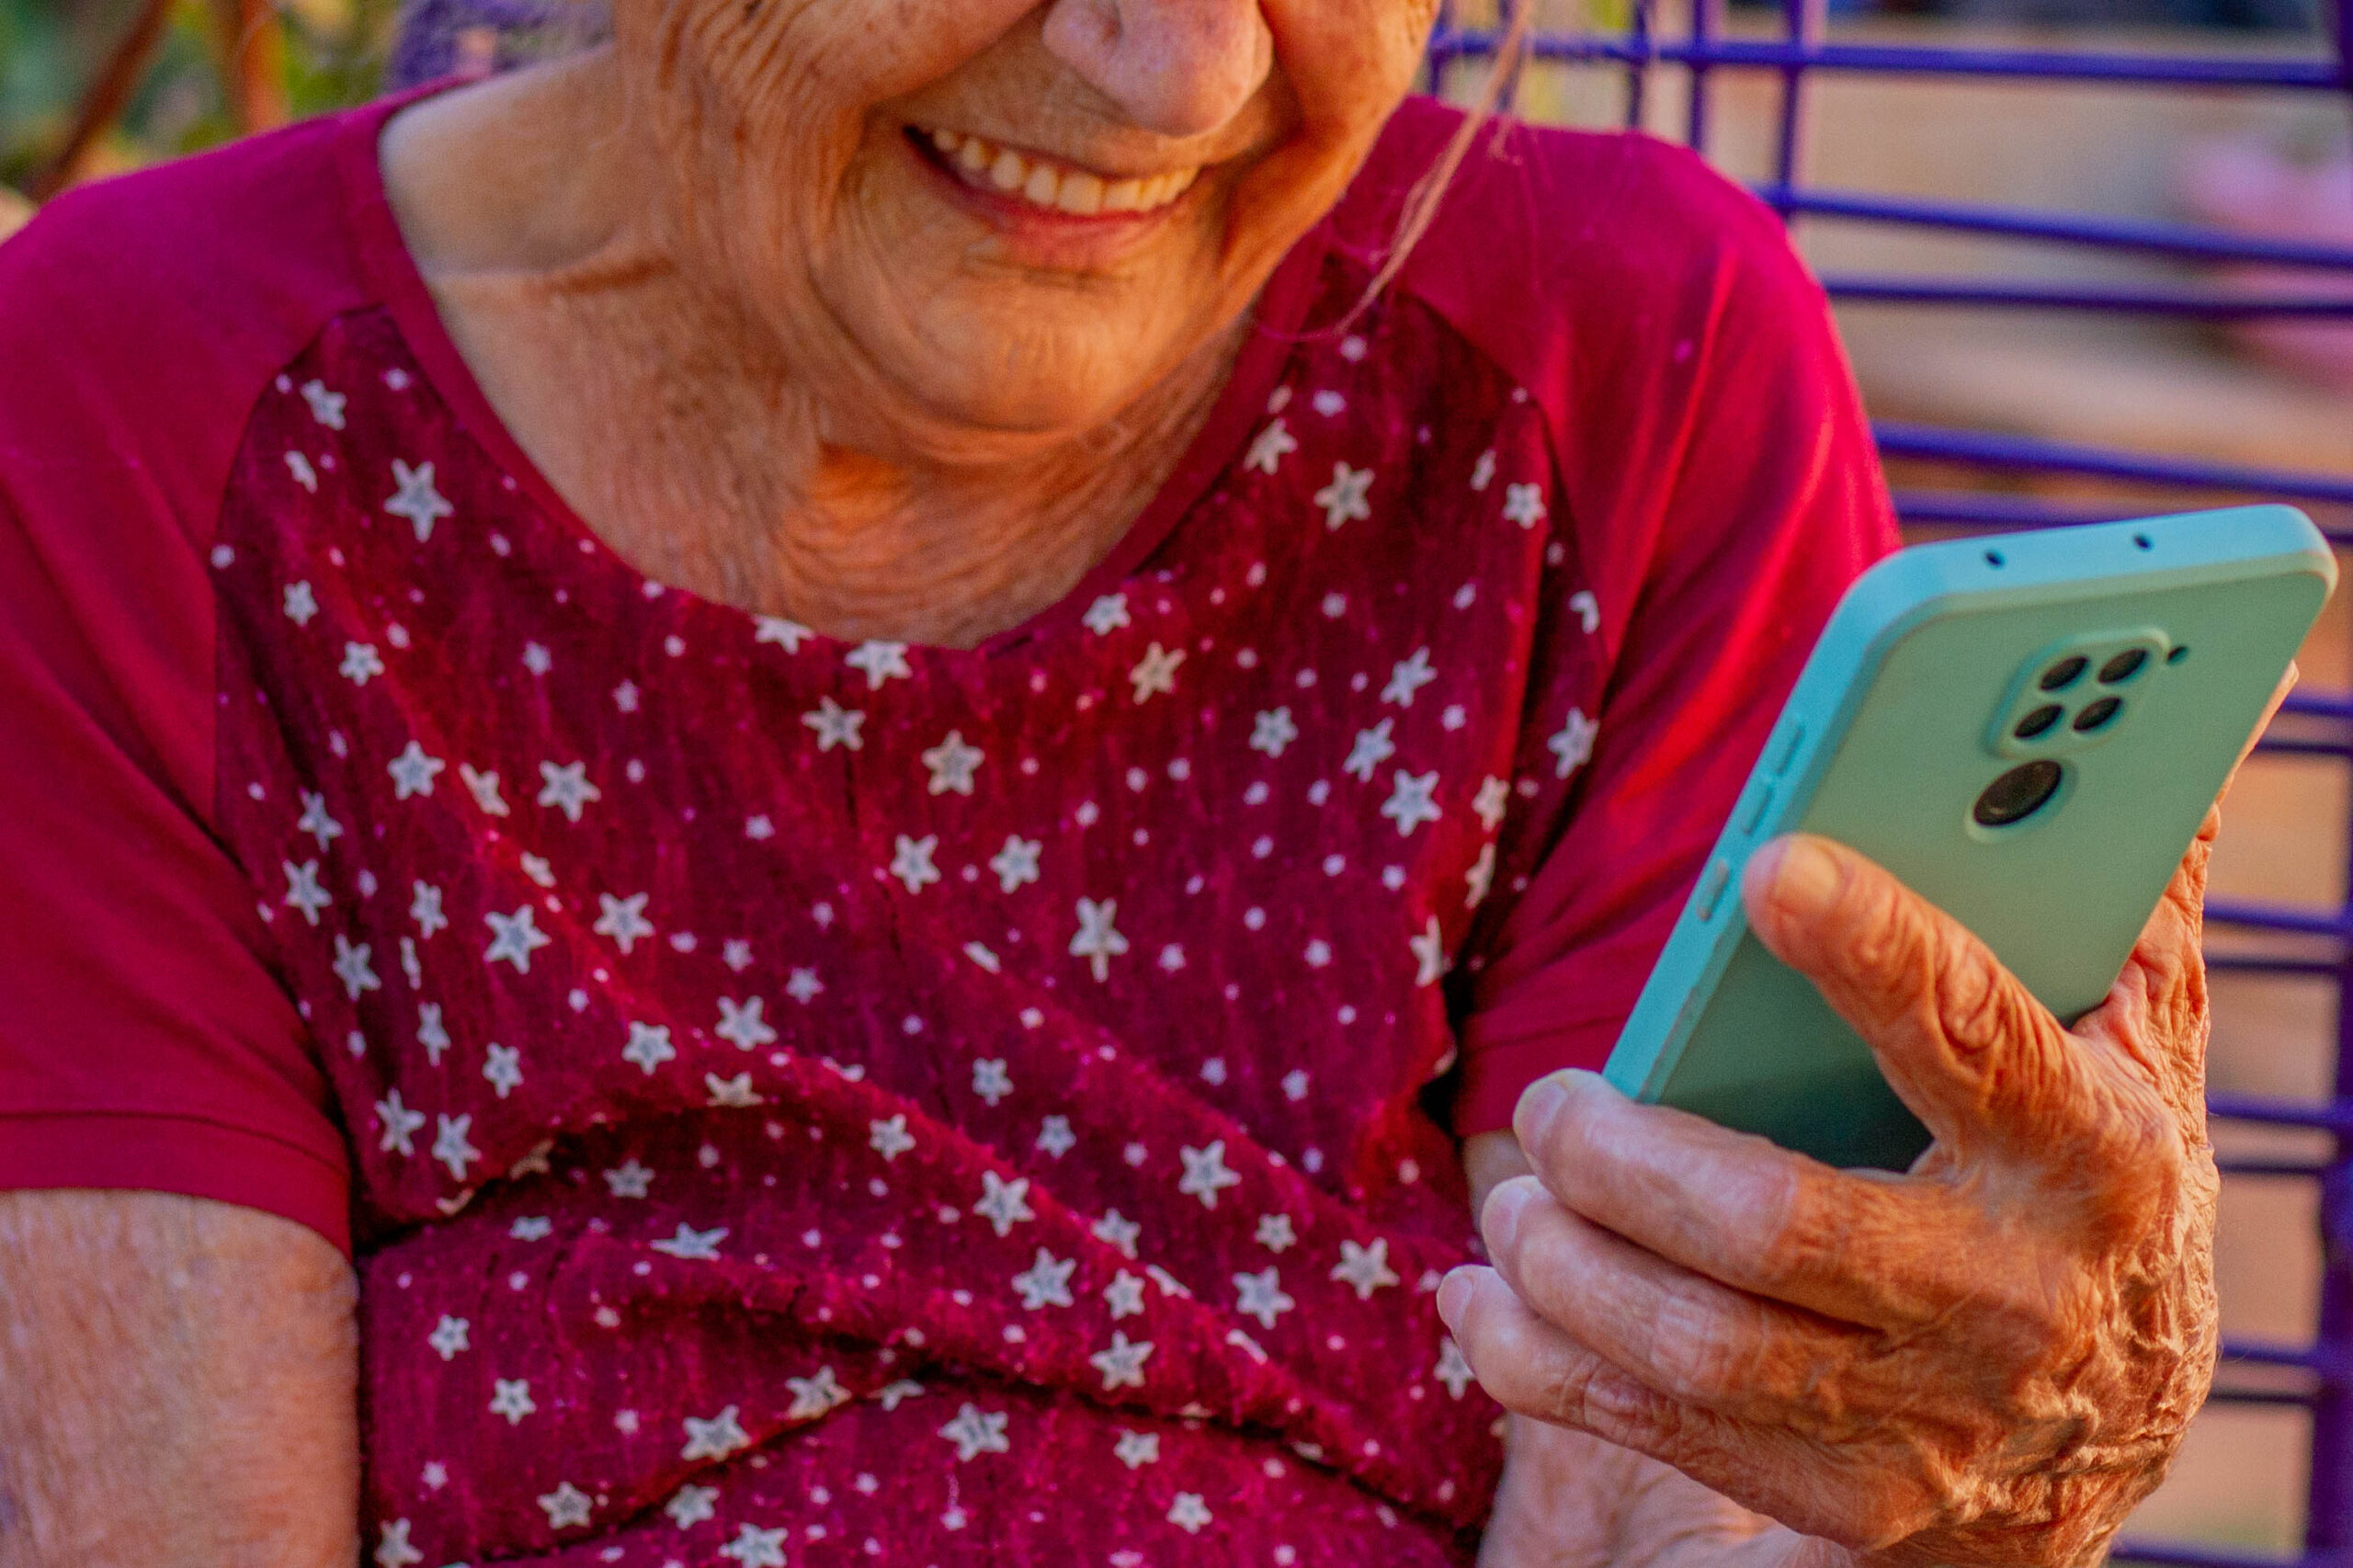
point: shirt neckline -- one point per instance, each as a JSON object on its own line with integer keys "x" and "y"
{"x": 393, "y": 274}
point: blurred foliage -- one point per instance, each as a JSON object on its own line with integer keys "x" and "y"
{"x": 51, "y": 50}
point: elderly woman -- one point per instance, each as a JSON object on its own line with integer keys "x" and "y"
{"x": 812, "y": 791}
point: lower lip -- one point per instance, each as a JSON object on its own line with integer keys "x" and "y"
{"x": 1067, "y": 235}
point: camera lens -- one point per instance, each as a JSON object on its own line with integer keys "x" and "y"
{"x": 2038, "y": 721}
{"x": 2017, "y": 794}
{"x": 2123, "y": 667}
{"x": 2065, "y": 673}
{"x": 2096, "y": 716}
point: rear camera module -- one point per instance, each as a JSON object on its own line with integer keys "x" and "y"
{"x": 2123, "y": 667}
{"x": 2065, "y": 673}
{"x": 2017, "y": 794}
{"x": 2097, "y": 716}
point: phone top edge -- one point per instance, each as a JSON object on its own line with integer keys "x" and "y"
{"x": 1887, "y": 603}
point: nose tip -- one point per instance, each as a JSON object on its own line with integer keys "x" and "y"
{"x": 1176, "y": 67}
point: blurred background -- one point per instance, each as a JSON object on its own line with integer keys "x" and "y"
{"x": 92, "y": 87}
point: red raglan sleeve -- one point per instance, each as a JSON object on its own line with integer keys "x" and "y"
{"x": 145, "y": 1043}
{"x": 1721, "y": 491}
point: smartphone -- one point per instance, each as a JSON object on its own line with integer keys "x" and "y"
{"x": 2027, "y": 730}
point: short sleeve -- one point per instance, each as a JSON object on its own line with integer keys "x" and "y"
{"x": 145, "y": 1042}
{"x": 1725, "y": 491}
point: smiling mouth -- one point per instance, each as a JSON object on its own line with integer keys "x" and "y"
{"x": 1047, "y": 184}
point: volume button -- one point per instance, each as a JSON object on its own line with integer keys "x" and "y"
{"x": 1752, "y": 811}
{"x": 1783, "y": 749}
{"x": 1713, "y": 882}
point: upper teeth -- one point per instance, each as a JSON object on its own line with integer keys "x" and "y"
{"x": 1044, "y": 183}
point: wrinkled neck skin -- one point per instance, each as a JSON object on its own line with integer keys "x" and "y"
{"x": 708, "y": 447}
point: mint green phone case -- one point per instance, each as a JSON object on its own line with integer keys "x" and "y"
{"x": 1932, "y": 682}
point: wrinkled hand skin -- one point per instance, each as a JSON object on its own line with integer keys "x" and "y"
{"x": 1988, "y": 1359}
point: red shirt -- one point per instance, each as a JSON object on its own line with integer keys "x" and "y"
{"x": 887, "y": 1103}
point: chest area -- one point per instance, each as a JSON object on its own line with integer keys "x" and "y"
{"x": 547, "y": 846}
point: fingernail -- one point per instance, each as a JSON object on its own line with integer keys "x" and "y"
{"x": 1539, "y": 1107}
{"x": 1802, "y": 879}
{"x": 1454, "y": 1294}
{"x": 1500, "y": 1220}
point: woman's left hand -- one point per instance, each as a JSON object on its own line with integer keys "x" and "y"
{"x": 1989, "y": 1359}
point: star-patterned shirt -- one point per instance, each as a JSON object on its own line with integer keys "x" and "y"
{"x": 792, "y": 1100}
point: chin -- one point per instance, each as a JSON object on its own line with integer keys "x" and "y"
{"x": 1046, "y": 384}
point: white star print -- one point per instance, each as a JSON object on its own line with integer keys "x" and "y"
{"x": 629, "y": 1179}
{"x": 1097, "y": 942}
{"x": 1107, "y": 614}
{"x": 568, "y": 787}
{"x": 691, "y": 1506}
{"x": 1046, "y": 1282}
{"x": 989, "y": 1080}
{"x": 299, "y": 466}
{"x": 302, "y": 890}
{"x": 1122, "y": 1364}
{"x": 537, "y": 659}
{"x": 399, "y": 1123}
{"x": 315, "y": 820}
{"x": 1523, "y": 505}
{"x": 417, "y": 500}
{"x": 483, "y": 787}
{"x": 430, "y": 1033}
{"x": 715, "y": 1438}
{"x": 625, "y": 696}
{"x": 1494, "y": 800}
{"x": 736, "y": 954}
{"x": 360, "y": 663}
{"x": 351, "y": 968}
{"x": 1055, "y": 1137}
{"x": 505, "y": 1069}
{"x": 693, "y": 1245}
{"x": 1587, "y": 608}
{"x": 911, "y": 861}
{"x": 804, "y": 985}
{"x": 1188, "y": 1513}
{"x": 890, "y": 1396}
{"x": 1273, "y": 731}
{"x": 1483, "y": 473}
{"x": 1374, "y": 747}
{"x": 1574, "y": 744}
{"x": 514, "y": 937}
{"x": 1295, "y": 1085}
{"x": 975, "y": 1431}
{"x": 742, "y": 1027}
{"x": 1366, "y": 1268}
{"x": 835, "y": 725}
{"x": 512, "y": 1400}
{"x": 1135, "y": 1449}
{"x": 448, "y": 1337}
{"x": 425, "y": 908}
{"x": 1274, "y": 443}
{"x": 881, "y": 661}
{"x": 623, "y": 919}
{"x": 1480, "y": 880}
{"x": 392, "y": 1549}
{"x": 889, "y": 1138}
{"x": 786, "y": 634}
{"x": 567, "y": 1506}
{"x": 1124, "y": 1296}
{"x": 952, "y": 764}
{"x": 301, "y": 603}
{"x": 756, "y": 1548}
{"x": 1004, "y": 1204}
{"x": 1408, "y": 677}
{"x": 326, "y": 407}
{"x": 1261, "y": 1296}
{"x": 1275, "y": 1233}
{"x": 732, "y": 1094}
{"x": 1411, "y": 805}
{"x": 1155, "y": 672}
{"x": 813, "y": 1397}
{"x": 649, "y": 1046}
{"x": 1452, "y": 1369}
{"x": 449, "y": 1145}
{"x": 1015, "y": 864}
{"x": 1345, "y": 498}
{"x": 1429, "y": 955}
{"x": 1205, "y": 1173}
{"x": 1116, "y": 1230}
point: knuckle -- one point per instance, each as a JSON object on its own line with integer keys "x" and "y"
{"x": 1698, "y": 1354}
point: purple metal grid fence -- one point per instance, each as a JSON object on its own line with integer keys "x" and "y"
{"x": 2315, "y": 723}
